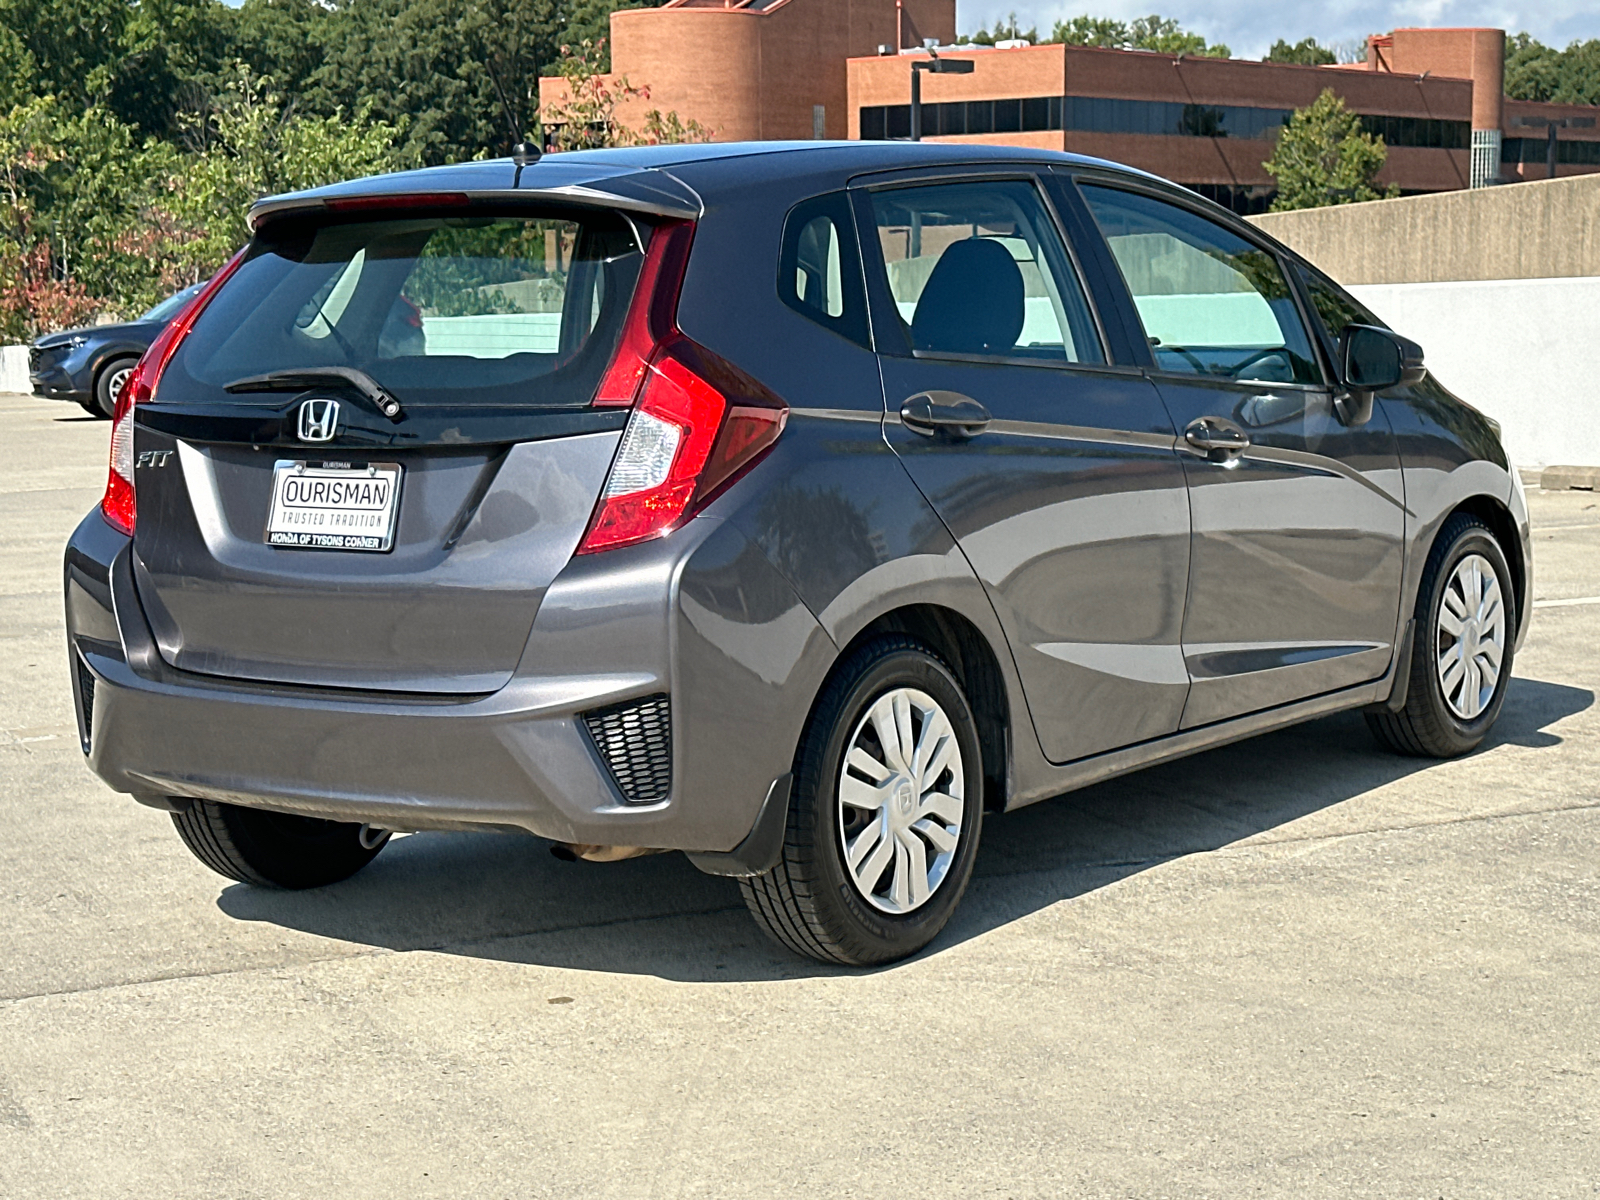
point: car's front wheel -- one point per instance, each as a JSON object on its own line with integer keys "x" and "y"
{"x": 275, "y": 849}
{"x": 1463, "y": 643}
{"x": 885, "y": 814}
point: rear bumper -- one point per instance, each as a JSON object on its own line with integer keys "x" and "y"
{"x": 627, "y": 624}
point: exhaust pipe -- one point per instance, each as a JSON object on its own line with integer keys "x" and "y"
{"x": 573, "y": 851}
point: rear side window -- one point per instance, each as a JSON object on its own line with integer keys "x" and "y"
{"x": 979, "y": 269}
{"x": 497, "y": 309}
{"x": 1212, "y": 303}
{"x": 819, "y": 268}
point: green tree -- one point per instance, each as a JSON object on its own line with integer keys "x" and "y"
{"x": 460, "y": 73}
{"x": 1004, "y": 31}
{"x": 1323, "y": 156}
{"x": 17, "y": 70}
{"x": 282, "y": 40}
{"x": 588, "y": 118}
{"x": 1537, "y": 72}
{"x": 1307, "y": 52}
{"x": 1158, "y": 33}
{"x": 250, "y": 143}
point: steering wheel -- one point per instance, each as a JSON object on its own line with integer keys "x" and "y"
{"x": 1200, "y": 367}
{"x": 1258, "y": 356}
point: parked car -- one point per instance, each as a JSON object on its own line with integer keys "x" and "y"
{"x": 90, "y": 366}
{"x": 797, "y": 507}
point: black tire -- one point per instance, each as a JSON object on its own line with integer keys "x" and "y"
{"x": 92, "y": 407}
{"x": 107, "y": 384}
{"x": 809, "y": 902}
{"x": 272, "y": 849}
{"x": 1428, "y": 727}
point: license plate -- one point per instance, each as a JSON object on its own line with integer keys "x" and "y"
{"x": 334, "y": 506}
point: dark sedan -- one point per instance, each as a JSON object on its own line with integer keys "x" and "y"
{"x": 89, "y": 366}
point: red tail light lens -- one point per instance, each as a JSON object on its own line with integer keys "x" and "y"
{"x": 698, "y": 425}
{"x": 650, "y": 314}
{"x": 118, "y": 504}
{"x": 698, "y": 422}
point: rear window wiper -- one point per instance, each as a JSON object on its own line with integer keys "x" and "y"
{"x": 301, "y": 378}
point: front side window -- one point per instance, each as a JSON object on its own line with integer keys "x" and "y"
{"x": 447, "y": 309}
{"x": 1334, "y": 307}
{"x": 819, "y": 269}
{"x": 1212, "y": 303}
{"x": 978, "y": 269}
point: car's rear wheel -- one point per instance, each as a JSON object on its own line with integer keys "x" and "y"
{"x": 885, "y": 814}
{"x": 1462, "y": 647}
{"x": 109, "y": 383}
{"x": 275, "y": 849}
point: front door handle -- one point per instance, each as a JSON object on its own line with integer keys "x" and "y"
{"x": 947, "y": 413}
{"x": 1218, "y": 438}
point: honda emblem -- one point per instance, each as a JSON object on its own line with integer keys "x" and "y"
{"x": 319, "y": 420}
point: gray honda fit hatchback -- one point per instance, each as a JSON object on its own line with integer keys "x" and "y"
{"x": 793, "y": 506}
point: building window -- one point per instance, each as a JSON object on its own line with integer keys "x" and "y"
{"x": 1245, "y": 199}
{"x": 963, "y": 117}
{"x": 1160, "y": 118}
{"x": 1532, "y": 150}
{"x": 1096, "y": 114}
{"x": 1419, "y": 131}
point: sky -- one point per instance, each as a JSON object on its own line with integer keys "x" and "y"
{"x": 1249, "y": 27}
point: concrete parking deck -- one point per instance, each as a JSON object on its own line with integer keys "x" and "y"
{"x": 1297, "y": 967}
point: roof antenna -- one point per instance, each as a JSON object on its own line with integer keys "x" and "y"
{"x": 524, "y": 154}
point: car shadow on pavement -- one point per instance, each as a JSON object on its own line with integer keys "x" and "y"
{"x": 508, "y": 899}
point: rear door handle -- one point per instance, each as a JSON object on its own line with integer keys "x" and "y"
{"x": 1218, "y": 438}
{"x": 947, "y": 413}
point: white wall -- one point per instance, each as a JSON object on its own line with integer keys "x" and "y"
{"x": 14, "y": 369}
{"x": 1524, "y": 351}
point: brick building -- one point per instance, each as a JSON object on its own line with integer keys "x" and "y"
{"x": 766, "y": 69}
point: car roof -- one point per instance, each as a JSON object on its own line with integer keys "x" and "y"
{"x": 643, "y": 178}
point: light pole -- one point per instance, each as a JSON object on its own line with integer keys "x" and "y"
{"x": 939, "y": 66}
{"x": 1551, "y": 124}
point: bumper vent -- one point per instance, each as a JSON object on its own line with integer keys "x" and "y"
{"x": 635, "y": 742}
{"x": 85, "y": 704}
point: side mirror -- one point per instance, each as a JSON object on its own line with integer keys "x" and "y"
{"x": 1374, "y": 360}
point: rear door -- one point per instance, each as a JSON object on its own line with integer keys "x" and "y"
{"x": 1299, "y": 519}
{"x": 290, "y": 531}
{"x": 1053, "y": 467}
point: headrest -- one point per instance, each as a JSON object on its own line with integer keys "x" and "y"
{"x": 972, "y": 303}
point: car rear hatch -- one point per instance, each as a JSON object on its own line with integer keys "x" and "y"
{"x": 377, "y": 444}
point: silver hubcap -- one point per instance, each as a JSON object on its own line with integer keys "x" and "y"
{"x": 901, "y": 800}
{"x": 1472, "y": 637}
{"x": 119, "y": 380}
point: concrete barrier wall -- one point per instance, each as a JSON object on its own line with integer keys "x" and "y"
{"x": 1541, "y": 230}
{"x": 14, "y": 369}
{"x": 1500, "y": 285}
{"x": 1524, "y": 351}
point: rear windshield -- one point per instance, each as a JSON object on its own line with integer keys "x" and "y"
{"x": 448, "y": 309}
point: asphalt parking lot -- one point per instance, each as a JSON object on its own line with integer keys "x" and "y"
{"x": 1297, "y": 967}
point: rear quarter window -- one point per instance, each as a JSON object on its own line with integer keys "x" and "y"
{"x": 507, "y": 308}
{"x": 819, "y": 266}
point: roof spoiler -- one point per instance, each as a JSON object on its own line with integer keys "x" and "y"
{"x": 649, "y": 191}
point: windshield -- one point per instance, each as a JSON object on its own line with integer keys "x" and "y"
{"x": 482, "y": 309}
{"x": 169, "y": 307}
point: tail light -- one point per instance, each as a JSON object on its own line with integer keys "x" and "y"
{"x": 698, "y": 422}
{"x": 118, "y": 504}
